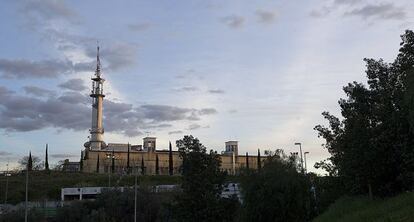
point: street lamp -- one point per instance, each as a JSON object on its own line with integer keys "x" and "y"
{"x": 301, "y": 159}
{"x": 306, "y": 168}
{"x": 110, "y": 156}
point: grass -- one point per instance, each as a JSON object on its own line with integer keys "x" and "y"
{"x": 47, "y": 186}
{"x": 399, "y": 208}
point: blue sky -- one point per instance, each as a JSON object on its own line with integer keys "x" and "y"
{"x": 260, "y": 72}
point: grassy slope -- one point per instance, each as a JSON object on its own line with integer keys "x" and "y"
{"x": 47, "y": 186}
{"x": 399, "y": 208}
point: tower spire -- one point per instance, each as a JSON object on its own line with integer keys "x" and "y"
{"x": 96, "y": 139}
{"x": 98, "y": 62}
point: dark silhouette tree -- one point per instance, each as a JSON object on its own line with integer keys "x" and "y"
{"x": 113, "y": 161}
{"x": 46, "y": 159}
{"x": 278, "y": 192}
{"x": 37, "y": 163}
{"x": 372, "y": 146}
{"x": 81, "y": 162}
{"x": 202, "y": 183}
{"x": 114, "y": 205}
{"x": 128, "y": 163}
{"x": 30, "y": 162}
{"x": 157, "y": 167}
{"x": 259, "y": 161}
{"x": 142, "y": 166}
{"x": 97, "y": 165}
{"x": 247, "y": 160}
{"x": 170, "y": 161}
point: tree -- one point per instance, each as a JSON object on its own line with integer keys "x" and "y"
{"x": 157, "y": 167}
{"x": 114, "y": 205}
{"x": 170, "y": 161}
{"x": 372, "y": 145}
{"x": 31, "y": 162}
{"x": 113, "y": 161}
{"x": 59, "y": 165}
{"x": 46, "y": 159}
{"x": 247, "y": 160}
{"x": 128, "y": 164}
{"x": 97, "y": 165}
{"x": 259, "y": 161}
{"x": 18, "y": 215}
{"x": 80, "y": 161}
{"x": 142, "y": 166}
{"x": 202, "y": 182}
{"x": 278, "y": 192}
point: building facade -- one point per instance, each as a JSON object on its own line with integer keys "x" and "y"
{"x": 100, "y": 157}
{"x": 147, "y": 159}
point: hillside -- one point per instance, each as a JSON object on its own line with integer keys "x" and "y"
{"x": 354, "y": 209}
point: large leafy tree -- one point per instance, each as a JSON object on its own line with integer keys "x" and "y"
{"x": 202, "y": 182}
{"x": 371, "y": 146}
{"x": 278, "y": 192}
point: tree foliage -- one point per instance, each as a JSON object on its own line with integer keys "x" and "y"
{"x": 278, "y": 192}
{"x": 46, "y": 159}
{"x": 170, "y": 161}
{"x": 202, "y": 183}
{"x": 36, "y": 163}
{"x": 114, "y": 206}
{"x": 18, "y": 215}
{"x": 372, "y": 145}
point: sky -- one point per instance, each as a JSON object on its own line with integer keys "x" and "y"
{"x": 259, "y": 72}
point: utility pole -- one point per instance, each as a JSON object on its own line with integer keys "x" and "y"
{"x": 111, "y": 157}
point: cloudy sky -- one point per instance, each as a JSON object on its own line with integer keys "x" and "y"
{"x": 260, "y": 72}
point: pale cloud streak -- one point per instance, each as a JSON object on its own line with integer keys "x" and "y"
{"x": 73, "y": 84}
{"x": 382, "y": 11}
{"x": 233, "y": 21}
{"x": 266, "y": 17}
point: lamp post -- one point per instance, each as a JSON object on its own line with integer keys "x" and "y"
{"x": 111, "y": 157}
{"x": 306, "y": 168}
{"x": 301, "y": 159}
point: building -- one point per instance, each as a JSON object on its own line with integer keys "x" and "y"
{"x": 100, "y": 157}
{"x": 70, "y": 166}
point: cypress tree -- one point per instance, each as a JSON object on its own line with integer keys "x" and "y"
{"x": 113, "y": 161}
{"x": 46, "y": 159}
{"x": 157, "y": 167}
{"x": 259, "y": 162}
{"x": 170, "y": 161}
{"x": 80, "y": 162}
{"x": 247, "y": 160}
{"x": 128, "y": 165}
{"x": 97, "y": 164}
{"x": 142, "y": 165}
{"x": 30, "y": 162}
